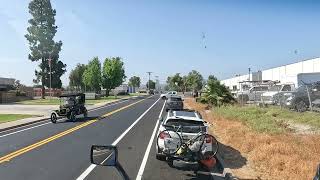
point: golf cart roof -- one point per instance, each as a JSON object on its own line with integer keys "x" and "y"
{"x": 71, "y": 95}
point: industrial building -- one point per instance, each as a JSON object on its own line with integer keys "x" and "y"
{"x": 291, "y": 74}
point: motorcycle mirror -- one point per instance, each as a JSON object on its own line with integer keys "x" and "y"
{"x": 104, "y": 155}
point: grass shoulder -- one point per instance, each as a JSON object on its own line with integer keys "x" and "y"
{"x": 56, "y": 101}
{"x": 271, "y": 119}
{"x": 12, "y": 117}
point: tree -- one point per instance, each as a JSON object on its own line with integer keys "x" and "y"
{"x": 195, "y": 80}
{"x": 113, "y": 73}
{"x": 75, "y": 77}
{"x": 185, "y": 84}
{"x": 175, "y": 82}
{"x": 216, "y": 94}
{"x": 212, "y": 77}
{"x": 40, "y": 36}
{"x": 134, "y": 81}
{"x": 152, "y": 84}
{"x": 92, "y": 75}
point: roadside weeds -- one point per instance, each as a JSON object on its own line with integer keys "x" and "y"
{"x": 251, "y": 154}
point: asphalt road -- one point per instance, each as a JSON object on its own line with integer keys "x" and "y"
{"x": 62, "y": 150}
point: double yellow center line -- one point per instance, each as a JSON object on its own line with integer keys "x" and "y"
{"x": 21, "y": 151}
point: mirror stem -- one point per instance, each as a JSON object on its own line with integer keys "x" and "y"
{"x": 122, "y": 171}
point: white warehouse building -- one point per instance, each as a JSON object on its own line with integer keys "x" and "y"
{"x": 284, "y": 74}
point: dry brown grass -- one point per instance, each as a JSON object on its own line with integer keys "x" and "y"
{"x": 278, "y": 156}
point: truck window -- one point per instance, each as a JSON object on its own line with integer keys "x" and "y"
{"x": 286, "y": 88}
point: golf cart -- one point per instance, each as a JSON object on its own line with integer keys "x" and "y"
{"x": 70, "y": 106}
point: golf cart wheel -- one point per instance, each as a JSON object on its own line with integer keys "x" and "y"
{"x": 72, "y": 116}
{"x": 301, "y": 106}
{"x": 85, "y": 113}
{"x": 53, "y": 118}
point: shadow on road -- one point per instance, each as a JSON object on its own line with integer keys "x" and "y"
{"x": 232, "y": 158}
{"x": 200, "y": 177}
{"x": 79, "y": 119}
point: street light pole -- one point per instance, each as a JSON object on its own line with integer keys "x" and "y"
{"x": 157, "y": 83}
{"x": 149, "y": 81}
{"x": 50, "y": 75}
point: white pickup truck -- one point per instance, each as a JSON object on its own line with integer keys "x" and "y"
{"x": 168, "y": 94}
{"x": 275, "y": 93}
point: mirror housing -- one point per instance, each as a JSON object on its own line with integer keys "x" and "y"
{"x": 104, "y": 155}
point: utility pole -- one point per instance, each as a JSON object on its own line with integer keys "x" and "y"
{"x": 50, "y": 75}
{"x": 157, "y": 83}
{"x": 249, "y": 74}
{"x": 149, "y": 81}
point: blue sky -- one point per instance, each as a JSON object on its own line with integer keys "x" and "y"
{"x": 166, "y": 36}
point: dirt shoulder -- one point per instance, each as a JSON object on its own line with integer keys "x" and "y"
{"x": 254, "y": 155}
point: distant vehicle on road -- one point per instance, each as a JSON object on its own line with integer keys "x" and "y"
{"x": 174, "y": 103}
{"x": 275, "y": 93}
{"x": 168, "y": 94}
{"x": 151, "y": 92}
{"x": 299, "y": 99}
{"x": 70, "y": 106}
{"x": 189, "y": 119}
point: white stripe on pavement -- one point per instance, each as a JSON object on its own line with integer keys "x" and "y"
{"x": 146, "y": 155}
{"x": 92, "y": 166}
{"x": 15, "y": 132}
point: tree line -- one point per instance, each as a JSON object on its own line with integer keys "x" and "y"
{"x": 193, "y": 81}
{"x": 93, "y": 76}
{"x": 212, "y": 91}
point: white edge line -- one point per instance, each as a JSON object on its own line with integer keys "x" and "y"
{"x": 146, "y": 155}
{"x": 15, "y": 132}
{"x": 92, "y": 166}
{"x": 24, "y": 129}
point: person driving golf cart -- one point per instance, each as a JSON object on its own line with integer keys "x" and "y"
{"x": 71, "y": 105}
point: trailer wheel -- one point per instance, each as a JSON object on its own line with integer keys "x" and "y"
{"x": 53, "y": 118}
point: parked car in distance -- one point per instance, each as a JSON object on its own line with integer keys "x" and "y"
{"x": 151, "y": 92}
{"x": 168, "y": 94}
{"x": 174, "y": 103}
{"x": 191, "y": 121}
{"x": 299, "y": 99}
{"x": 275, "y": 93}
{"x": 253, "y": 94}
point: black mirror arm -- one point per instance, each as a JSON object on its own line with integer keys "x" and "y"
{"x": 122, "y": 171}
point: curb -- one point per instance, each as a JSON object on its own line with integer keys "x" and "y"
{"x": 44, "y": 119}
{"x": 24, "y": 124}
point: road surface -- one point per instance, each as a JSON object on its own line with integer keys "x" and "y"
{"x": 62, "y": 150}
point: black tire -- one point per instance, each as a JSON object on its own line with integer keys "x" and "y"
{"x": 301, "y": 106}
{"x": 72, "y": 116}
{"x": 163, "y": 98}
{"x": 85, "y": 113}
{"x": 170, "y": 162}
{"x": 53, "y": 118}
{"x": 160, "y": 157}
{"x": 171, "y": 134}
